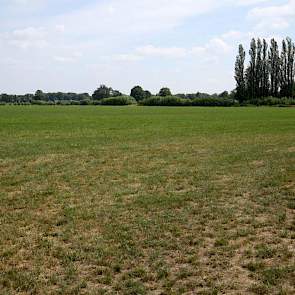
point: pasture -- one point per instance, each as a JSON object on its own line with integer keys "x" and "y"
{"x": 138, "y": 200}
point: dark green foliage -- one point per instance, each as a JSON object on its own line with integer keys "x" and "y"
{"x": 194, "y": 95}
{"x": 47, "y": 98}
{"x": 239, "y": 73}
{"x": 165, "y": 92}
{"x": 86, "y": 102}
{"x": 272, "y": 101}
{"x": 118, "y": 101}
{"x": 216, "y": 102}
{"x": 251, "y": 71}
{"x": 39, "y": 102}
{"x": 165, "y": 101}
{"x": 39, "y": 95}
{"x": 139, "y": 94}
{"x": 265, "y": 70}
{"x": 224, "y": 94}
{"x": 104, "y": 92}
{"x": 274, "y": 67}
{"x": 270, "y": 72}
{"x": 177, "y": 101}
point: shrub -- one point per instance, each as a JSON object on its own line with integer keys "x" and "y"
{"x": 273, "y": 101}
{"x": 214, "y": 102}
{"x": 165, "y": 92}
{"x": 118, "y": 101}
{"x": 63, "y": 102}
{"x": 177, "y": 101}
{"x": 75, "y": 102}
{"x": 86, "y": 102}
{"x": 165, "y": 101}
{"x": 39, "y": 102}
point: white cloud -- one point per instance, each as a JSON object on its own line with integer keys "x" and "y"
{"x": 215, "y": 47}
{"x": 27, "y": 37}
{"x": 60, "y": 28}
{"x": 273, "y": 17}
{"x": 170, "y": 52}
{"x": 250, "y": 2}
{"x": 63, "y": 59}
{"x": 127, "y": 57}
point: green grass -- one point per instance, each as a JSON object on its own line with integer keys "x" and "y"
{"x": 134, "y": 200}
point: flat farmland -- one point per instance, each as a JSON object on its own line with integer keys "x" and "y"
{"x": 138, "y": 200}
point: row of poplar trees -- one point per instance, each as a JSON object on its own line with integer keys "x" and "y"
{"x": 270, "y": 71}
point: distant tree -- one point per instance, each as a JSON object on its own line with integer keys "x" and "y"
{"x": 138, "y": 93}
{"x": 147, "y": 94}
{"x": 259, "y": 70}
{"x": 165, "y": 92}
{"x": 39, "y": 95}
{"x": 274, "y": 68}
{"x": 284, "y": 69}
{"x": 251, "y": 76}
{"x": 240, "y": 75}
{"x": 105, "y": 92}
{"x": 102, "y": 92}
{"x": 287, "y": 68}
{"x": 223, "y": 94}
{"x": 265, "y": 70}
{"x": 290, "y": 67}
{"x": 115, "y": 93}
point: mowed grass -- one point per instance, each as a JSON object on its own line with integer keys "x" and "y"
{"x": 115, "y": 200}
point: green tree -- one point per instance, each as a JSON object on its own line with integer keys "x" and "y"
{"x": 259, "y": 70}
{"x": 147, "y": 94}
{"x": 274, "y": 67}
{"x": 165, "y": 92}
{"x": 251, "y": 71}
{"x": 138, "y": 93}
{"x": 239, "y": 74}
{"x": 40, "y": 95}
{"x": 265, "y": 70}
{"x": 284, "y": 70}
{"x": 115, "y": 93}
{"x": 223, "y": 94}
{"x": 290, "y": 67}
{"x": 102, "y": 92}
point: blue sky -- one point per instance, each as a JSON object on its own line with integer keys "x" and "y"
{"x": 76, "y": 45}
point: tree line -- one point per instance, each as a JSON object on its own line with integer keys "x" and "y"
{"x": 103, "y": 94}
{"x": 270, "y": 71}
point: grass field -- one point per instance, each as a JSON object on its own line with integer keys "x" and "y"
{"x": 112, "y": 200}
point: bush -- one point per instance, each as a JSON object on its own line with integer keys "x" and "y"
{"x": 177, "y": 101}
{"x": 273, "y": 101}
{"x": 118, "y": 101}
{"x": 63, "y": 102}
{"x": 39, "y": 102}
{"x": 86, "y": 102}
{"x": 165, "y": 101}
{"x": 214, "y": 102}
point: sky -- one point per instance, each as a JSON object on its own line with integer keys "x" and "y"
{"x": 76, "y": 45}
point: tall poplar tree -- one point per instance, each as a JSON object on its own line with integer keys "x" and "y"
{"x": 240, "y": 75}
{"x": 290, "y": 67}
{"x": 265, "y": 69}
{"x": 274, "y": 68}
{"x": 284, "y": 69}
{"x": 251, "y": 71}
{"x": 259, "y": 70}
